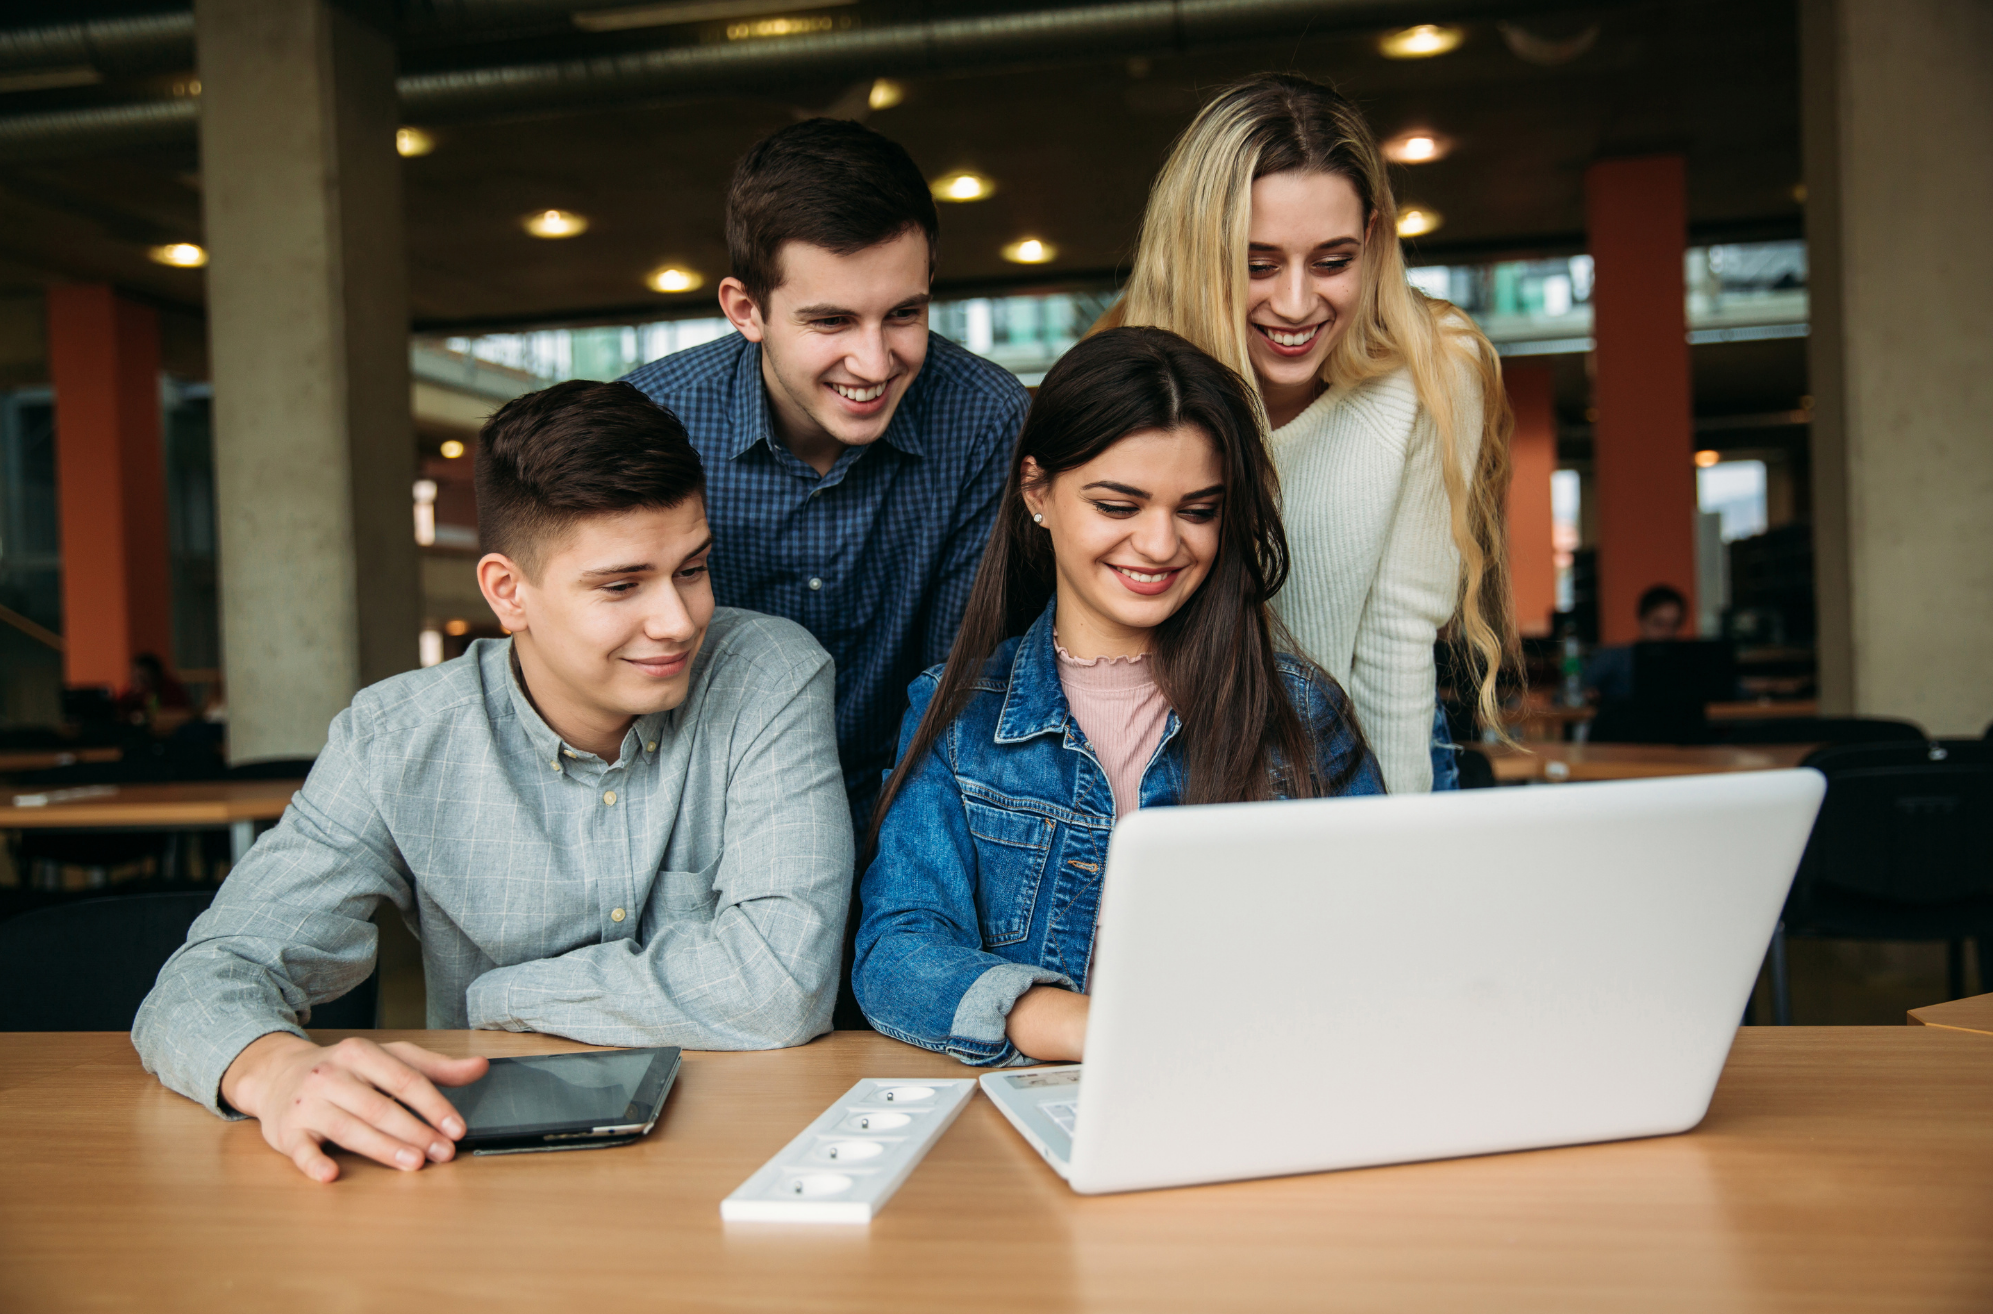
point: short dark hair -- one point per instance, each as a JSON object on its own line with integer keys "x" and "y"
{"x": 1660, "y": 596}
{"x": 577, "y": 449}
{"x": 827, "y": 182}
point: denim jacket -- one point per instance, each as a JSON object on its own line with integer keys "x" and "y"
{"x": 988, "y": 874}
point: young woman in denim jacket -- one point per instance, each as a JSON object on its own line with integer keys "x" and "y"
{"x": 1118, "y": 652}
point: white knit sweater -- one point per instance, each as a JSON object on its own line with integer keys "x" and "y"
{"x": 1375, "y": 570}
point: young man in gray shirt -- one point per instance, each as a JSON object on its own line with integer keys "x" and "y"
{"x": 624, "y": 824}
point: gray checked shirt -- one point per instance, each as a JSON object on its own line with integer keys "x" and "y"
{"x": 690, "y": 893}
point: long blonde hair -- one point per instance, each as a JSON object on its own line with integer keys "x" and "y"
{"x": 1190, "y": 277}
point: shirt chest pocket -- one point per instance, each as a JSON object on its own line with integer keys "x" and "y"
{"x": 1011, "y": 851}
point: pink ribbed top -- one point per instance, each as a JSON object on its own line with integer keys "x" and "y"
{"x": 1122, "y": 711}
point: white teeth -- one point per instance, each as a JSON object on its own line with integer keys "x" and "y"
{"x": 1140, "y": 578}
{"x": 1293, "y": 339}
{"x": 860, "y": 394}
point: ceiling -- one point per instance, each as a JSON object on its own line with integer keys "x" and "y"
{"x": 1072, "y": 146}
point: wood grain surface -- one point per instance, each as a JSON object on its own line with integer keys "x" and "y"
{"x": 1839, "y": 1168}
{"x": 1974, "y": 1014}
{"x": 215, "y": 803}
{"x": 1557, "y": 762}
{"x": 14, "y": 760}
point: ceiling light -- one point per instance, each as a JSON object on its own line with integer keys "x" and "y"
{"x": 625, "y": 18}
{"x": 1421, "y": 42}
{"x": 555, "y": 223}
{"x": 762, "y": 28}
{"x": 452, "y": 449}
{"x": 1417, "y": 147}
{"x": 412, "y": 141}
{"x": 673, "y": 279}
{"x": 962, "y": 185}
{"x": 1418, "y": 220}
{"x": 885, "y": 94}
{"x": 180, "y": 255}
{"x": 1706, "y": 458}
{"x": 1030, "y": 251}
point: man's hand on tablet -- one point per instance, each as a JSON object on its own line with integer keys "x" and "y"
{"x": 306, "y": 1095}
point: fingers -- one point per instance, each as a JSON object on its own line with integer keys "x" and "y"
{"x": 361, "y": 1137}
{"x": 437, "y": 1067}
{"x": 312, "y": 1161}
{"x": 390, "y": 1070}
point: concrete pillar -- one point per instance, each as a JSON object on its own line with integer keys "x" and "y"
{"x": 117, "y": 601}
{"x": 308, "y": 331}
{"x": 1636, "y": 214}
{"x": 1532, "y": 460}
{"x": 1897, "y": 100}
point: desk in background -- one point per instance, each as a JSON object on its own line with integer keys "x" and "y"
{"x": 1556, "y": 762}
{"x": 1974, "y": 1014}
{"x": 18, "y": 761}
{"x": 237, "y": 805}
{"x": 1839, "y": 1168}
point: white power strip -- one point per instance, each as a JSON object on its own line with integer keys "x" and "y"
{"x": 847, "y": 1164}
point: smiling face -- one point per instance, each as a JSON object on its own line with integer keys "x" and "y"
{"x": 1307, "y": 233}
{"x": 1134, "y": 532}
{"x": 607, "y": 628}
{"x": 842, "y": 338}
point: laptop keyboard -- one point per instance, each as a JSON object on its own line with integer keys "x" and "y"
{"x": 1065, "y": 1114}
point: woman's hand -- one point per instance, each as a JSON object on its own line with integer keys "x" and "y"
{"x": 1049, "y": 1023}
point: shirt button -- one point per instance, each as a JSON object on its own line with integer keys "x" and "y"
{"x": 568, "y": 752}
{"x": 815, "y": 583}
{"x": 617, "y": 915}
{"x": 651, "y": 747}
{"x": 609, "y": 797}
{"x": 555, "y": 765}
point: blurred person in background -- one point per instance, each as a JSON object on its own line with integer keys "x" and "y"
{"x": 1271, "y": 242}
{"x": 152, "y": 687}
{"x": 1662, "y": 612}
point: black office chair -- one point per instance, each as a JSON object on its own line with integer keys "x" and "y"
{"x": 1821, "y": 730}
{"x": 1902, "y": 850}
{"x": 87, "y": 966}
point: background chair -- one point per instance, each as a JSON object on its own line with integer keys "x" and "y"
{"x": 1821, "y": 730}
{"x": 1902, "y": 850}
{"x": 1476, "y": 771}
{"x": 88, "y": 966}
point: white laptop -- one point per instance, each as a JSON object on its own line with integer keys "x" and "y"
{"x": 1291, "y": 987}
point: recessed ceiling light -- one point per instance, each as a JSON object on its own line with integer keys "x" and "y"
{"x": 452, "y": 449}
{"x": 1030, "y": 251}
{"x": 555, "y": 223}
{"x": 180, "y": 255}
{"x": 962, "y": 185}
{"x": 1418, "y": 220}
{"x": 412, "y": 141}
{"x": 673, "y": 279}
{"x": 1421, "y": 42}
{"x": 1706, "y": 458}
{"x": 1418, "y": 147}
{"x": 885, "y": 94}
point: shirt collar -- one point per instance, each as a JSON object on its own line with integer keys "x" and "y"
{"x": 548, "y": 746}
{"x": 1035, "y": 701}
{"x": 751, "y": 421}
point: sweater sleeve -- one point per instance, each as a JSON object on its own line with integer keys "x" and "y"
{"x": 1415, "y": 592}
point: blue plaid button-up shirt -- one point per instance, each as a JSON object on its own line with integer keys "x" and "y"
{"x": 874, "y": 558}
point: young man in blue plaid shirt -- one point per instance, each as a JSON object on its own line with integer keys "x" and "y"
{"x": 853, "y": 459}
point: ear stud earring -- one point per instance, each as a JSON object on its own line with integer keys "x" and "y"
{"x": 1038, "y": 519}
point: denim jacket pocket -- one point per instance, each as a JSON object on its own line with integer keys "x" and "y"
{"x": 1011, "y": 849}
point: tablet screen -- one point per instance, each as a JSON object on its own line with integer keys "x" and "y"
{"x": 551, "y": 1089}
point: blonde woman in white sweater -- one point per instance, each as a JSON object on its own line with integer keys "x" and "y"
{"x": 1271, "y": 242}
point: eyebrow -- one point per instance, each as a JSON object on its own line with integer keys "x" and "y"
{"x": 638, "y": 568}
{"x": 825, "y": 312}
{"x": 1130, "y": 491}
{"x": 1333, "y": 241}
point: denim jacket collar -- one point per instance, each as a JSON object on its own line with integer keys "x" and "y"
{"x": 1034, "y": 703}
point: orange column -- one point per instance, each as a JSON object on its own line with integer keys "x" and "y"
{"x": 103, "y": 357}
{"x": 1532, "y": 460}
{"x": 1643, "y": 444}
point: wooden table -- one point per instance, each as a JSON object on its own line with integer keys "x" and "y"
{"x": 1839, "y": 1168}
{"x": 1562, "y": 762}
{"x": 236, "y": 804}
{"x": 14, "y": 761}
{"x": 1974, "y": 1014}
{"x": 1761, "y": 709}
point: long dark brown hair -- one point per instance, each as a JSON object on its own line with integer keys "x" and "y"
{"x": 1214, "y": 657}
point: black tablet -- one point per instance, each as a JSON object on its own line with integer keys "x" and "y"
{"x": 582, "y": 1101}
